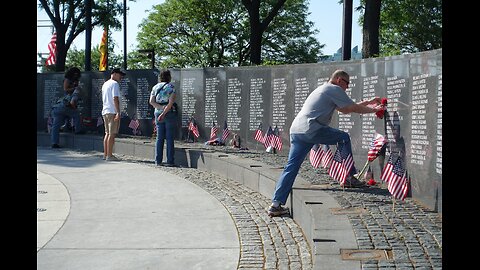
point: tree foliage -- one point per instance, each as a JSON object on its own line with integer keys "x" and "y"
{"x": 408, "y": 26}
{"x": 214, "y": 33}
{"x": 68, "y": 19}
{"x": 76, "y": 58}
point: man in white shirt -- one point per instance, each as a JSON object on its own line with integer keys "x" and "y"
{"x": 111, "y": 112}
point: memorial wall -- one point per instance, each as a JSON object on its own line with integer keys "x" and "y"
{"x": 248, "y": 98}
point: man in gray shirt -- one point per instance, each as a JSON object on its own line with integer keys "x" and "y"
{"x": 311, "y": 126}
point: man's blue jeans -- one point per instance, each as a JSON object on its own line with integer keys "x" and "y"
{"x": 165, "y": 131}
{"x": 300, "y": 146}
{"x": 59, "y": 114}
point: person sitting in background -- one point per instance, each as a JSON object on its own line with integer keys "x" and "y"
{"x": 66, "y": 107}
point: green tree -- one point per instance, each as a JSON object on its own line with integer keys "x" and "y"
{"x": 76, "y": 58}
{"x": 290, "y": 37}
{"x": 213, "y": 33}
{"x": 68, "y": 19}
{"x": 191, "y": 33}
{"x": 410, "y": 26}
{"x": 407, "y": 26}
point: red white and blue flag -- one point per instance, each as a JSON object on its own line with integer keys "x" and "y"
{"x": 226, "y": 132}
{"x": 376, "y": 145}
{"x": 134, "y": 124}
{"x": 213, "y": 131}
{"x": 327, "y": 156}
{"x": 52, "y": 48}
{"x": 259, "y": 134}
{"x": 396, "y": 176}
{"x": 277, "y": 140}
{"x": 268, "y": 137}
{"x": 316, "y": 154}
{"x": 341, "y": 165}
{"x": 193, "y": 127}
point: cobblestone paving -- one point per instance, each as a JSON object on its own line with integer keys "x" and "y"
{"x": 410, "y": 231}
{"x": 265, "y": 242}
{"x": 413, "y": 233}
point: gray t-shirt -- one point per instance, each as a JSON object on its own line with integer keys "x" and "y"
{"x": 319, "y": 105}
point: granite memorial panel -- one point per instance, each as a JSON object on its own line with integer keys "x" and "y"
{"x": 215, "y": 98}
{"x": 249, "y": 97}
{"x": 423, "y": 129}
{"x": 283, "y": 102}
{"x": 192, "y": 100}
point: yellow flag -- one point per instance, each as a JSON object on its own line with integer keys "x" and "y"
{"x": 103, "y": 52}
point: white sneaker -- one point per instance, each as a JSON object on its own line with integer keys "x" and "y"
{"x": 112, "y": 158}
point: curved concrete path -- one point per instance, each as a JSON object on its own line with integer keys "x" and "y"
{"x": 93, "y": 214}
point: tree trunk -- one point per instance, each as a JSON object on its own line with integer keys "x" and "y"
{"x": 371, "y": 26}
{"x": 257, "y": 27}
{"x": 61, "y": 51}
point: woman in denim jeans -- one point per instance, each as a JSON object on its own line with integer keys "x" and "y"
{"x": 162, "y": 98}
{"x": 310, "y": 127}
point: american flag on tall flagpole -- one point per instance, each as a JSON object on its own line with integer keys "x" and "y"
{"x": 259, "y": 134}
{"x": 226, "y": 132}
{"x": 277, "y": 140}
{"x": 213, "y": 131}
{"x": 316, "y": 154}
{"x": 193, "y": 127}
{"x": 341, "y": 165}
{"x": 396, "y": 176}
{"x": 377, "y": 143}
{"x": 52, "y": 48}
{"x": 327, "y": 156}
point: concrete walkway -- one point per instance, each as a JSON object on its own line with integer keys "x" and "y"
{"x": 94, "y": 214}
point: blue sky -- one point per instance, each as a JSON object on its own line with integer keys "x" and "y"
{"x": 326, "y": 14}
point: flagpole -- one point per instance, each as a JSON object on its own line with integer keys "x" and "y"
{"x": 363, "y": 169}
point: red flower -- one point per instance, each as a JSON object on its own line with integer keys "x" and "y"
{"x": 371, "y": 182}
{"x": 382, "y": 111}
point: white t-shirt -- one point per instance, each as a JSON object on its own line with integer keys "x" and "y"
{"x": 319, "y": 107}
{"x": 110, "y": 89}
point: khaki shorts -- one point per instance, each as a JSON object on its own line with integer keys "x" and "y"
{"x": 111, "y": 126}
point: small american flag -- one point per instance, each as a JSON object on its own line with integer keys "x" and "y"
{"x": 316, "y": 154}
{"x": 193, "y": 127}
{"x": 377, "y": 143}
{"x": 213, "y": 131}
{"x": 341, "y": 165}
{"x": 268, "y": 137}
{"x": 134, "y": 124}
{"x": 52, "y": 47}
{"x": 226, "y": 132}
{"x": 395, "y": 175}
{"x": 259, "y": 134}
{"x": 277, "y": 140}
{"x": 327, "y": 156}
